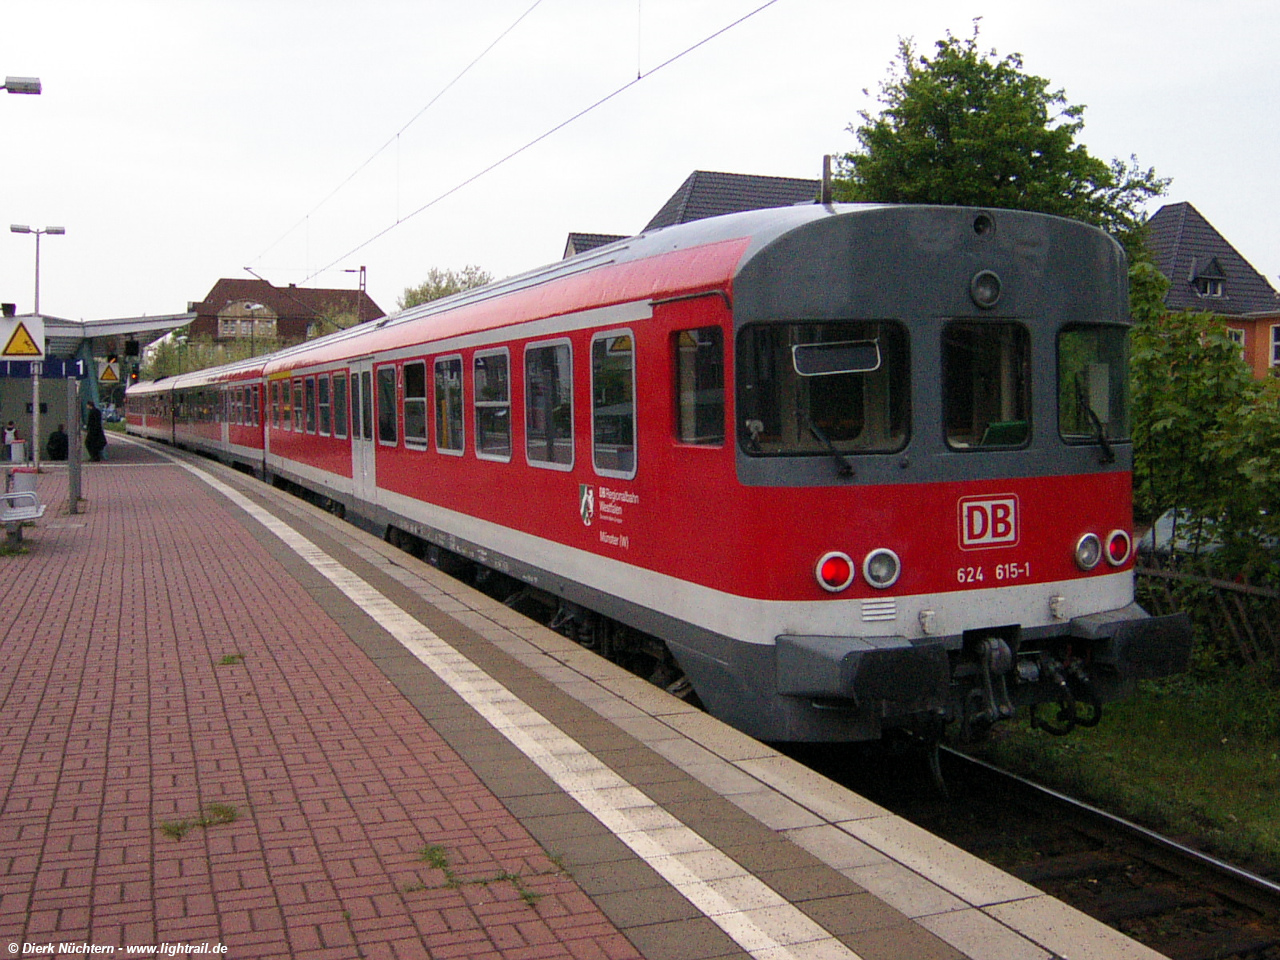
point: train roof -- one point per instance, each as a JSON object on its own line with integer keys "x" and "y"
{"x": 717, "y": 253}
{"x": 666, "y": 262}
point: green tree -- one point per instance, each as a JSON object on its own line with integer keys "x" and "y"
{"x": 444, "y": 283}
{"x": 333, "y": 317}
{"x": 971, "y": 128}
{"x": 1206, "y": 435}
{"x": 182, "y": 354}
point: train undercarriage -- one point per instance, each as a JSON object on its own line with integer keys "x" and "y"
{"x": 954, "y": 689}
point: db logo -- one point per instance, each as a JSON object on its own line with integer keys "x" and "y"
{"x": 988, "y": 522}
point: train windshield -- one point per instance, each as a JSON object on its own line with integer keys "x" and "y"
{"x": 812, "y": 388}
{"x": 1093, "y": 383}
{"x": 986, "y": 384}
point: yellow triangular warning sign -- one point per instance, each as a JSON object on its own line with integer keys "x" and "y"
{"x": 21, "y": 344}
{"x": 109, "y": 374}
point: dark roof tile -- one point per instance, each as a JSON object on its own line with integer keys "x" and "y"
{"x": 582, "y": 242}
{"x": 301, "y": 303}
{"x": 708, "y": 194}
{"x": 1187, "y": 248}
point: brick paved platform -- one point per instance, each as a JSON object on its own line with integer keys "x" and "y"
{"x": 205, "y": 742}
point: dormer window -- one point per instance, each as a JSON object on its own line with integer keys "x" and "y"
{"x": 1208, "y": 278}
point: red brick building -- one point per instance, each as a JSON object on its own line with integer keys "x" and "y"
{"x": 247, "y": 309}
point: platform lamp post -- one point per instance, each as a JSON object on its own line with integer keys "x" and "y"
{"x": 35, "y": 376}
{"x": 21, "y": 85}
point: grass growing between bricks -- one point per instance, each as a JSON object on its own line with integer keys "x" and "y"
{"x": 1196, "y": 757}
{"x": 214, "y": 814}
{"x": 437, "y": 858}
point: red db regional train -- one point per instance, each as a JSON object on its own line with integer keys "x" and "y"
{"x": 836, "y": 469}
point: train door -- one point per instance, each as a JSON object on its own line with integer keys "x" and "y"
{"x": 222, "y": 418}
{"x": 363, "y": 445}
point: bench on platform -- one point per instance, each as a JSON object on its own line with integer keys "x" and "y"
{"x": 19, "y": 508}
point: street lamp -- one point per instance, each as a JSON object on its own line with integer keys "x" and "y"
{"x": 21, "y": 84}
{"x": 35, "y": 377}
{"x": 52, "y": 231}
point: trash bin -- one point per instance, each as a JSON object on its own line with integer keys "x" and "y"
{"x": 22, "y": 480}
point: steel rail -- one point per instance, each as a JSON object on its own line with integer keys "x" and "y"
{"x": 1238, "y": 875}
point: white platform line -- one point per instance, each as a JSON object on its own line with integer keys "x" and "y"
{"x": 755, "y": 916}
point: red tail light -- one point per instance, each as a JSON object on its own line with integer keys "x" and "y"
{"x": 834, "y": 571}
{"x": 1119, "y": 546}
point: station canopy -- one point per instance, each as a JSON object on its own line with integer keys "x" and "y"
{"x": 65, "y": 339}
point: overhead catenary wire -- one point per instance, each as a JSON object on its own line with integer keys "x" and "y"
{"x": 396, "y": 136}
{"x": 538, "y": 139}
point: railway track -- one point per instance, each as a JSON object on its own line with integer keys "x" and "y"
{"x": 1176, "y": 900}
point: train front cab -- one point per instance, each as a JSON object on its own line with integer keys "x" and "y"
{"x": 938, "y": 397}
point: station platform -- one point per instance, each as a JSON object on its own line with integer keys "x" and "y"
{"x": 234, "y": 725}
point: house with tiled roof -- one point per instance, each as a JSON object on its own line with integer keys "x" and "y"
{"x": 1207, "y": 273}
{"x": 244, "y": 309}
{"x": 582, "y": 242}
{"x": 708, "y": 194}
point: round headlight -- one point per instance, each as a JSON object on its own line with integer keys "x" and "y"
{"x": 1119, "y": 546}
{"x": 881, "y": 568}
{"x": 1088, "y": 551}
{"x": 984, "y": 288}
{"x": 834, "y": 571}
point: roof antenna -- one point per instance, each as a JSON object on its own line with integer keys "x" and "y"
{"x": 825, "y": 197}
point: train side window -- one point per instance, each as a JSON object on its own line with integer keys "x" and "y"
{"x": 613, "y": 405}
{"x": 986, "y": 384}
{"x": 255, "y": 413}
{"x": 548, "y": 405}
{"x": 492, "y": 387}
{"x": 274, "y": 393}
{"x": 415, "y": 404}
{"x": 311, "y": 404}
{"x": 700, "y": 386}
{"x": 356, "y": 432}
{"x": 322, "y": 404}
{"x": 340, "y": 405}
{"x": 366, "y": 403}
{"x": 297, "y": 406}
{"x": 386, "y": 403}
{"x": 450, "y": 437}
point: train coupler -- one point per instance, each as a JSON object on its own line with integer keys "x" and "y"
{"x": 988, "y": 701}
{"x": 1078, "y": 704}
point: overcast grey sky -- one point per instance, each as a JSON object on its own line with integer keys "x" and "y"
{"x": 179, "y": 141}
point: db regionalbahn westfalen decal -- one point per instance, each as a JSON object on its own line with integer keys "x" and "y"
{"x": 987, "y": 522}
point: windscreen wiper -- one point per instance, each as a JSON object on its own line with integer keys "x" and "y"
{"x": 1099, "y": 431}
{"x": 844, "y": 466}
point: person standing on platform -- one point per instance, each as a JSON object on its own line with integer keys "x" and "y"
{"x": 95, "y": 438}
{"x": 10, "y": 438}
{"x": 57, "y": 446}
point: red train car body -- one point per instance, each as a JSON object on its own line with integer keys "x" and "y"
{"x": 858, "y": 467}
